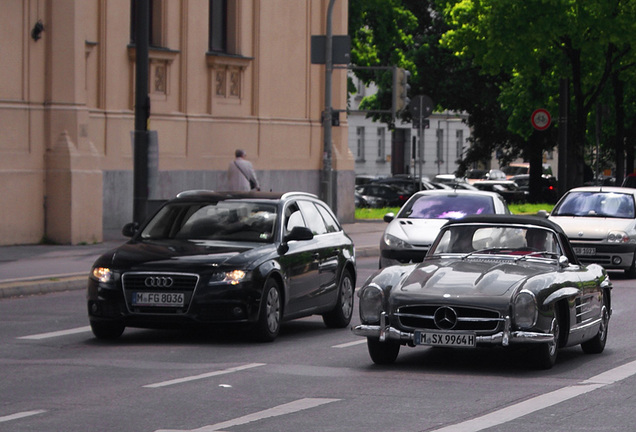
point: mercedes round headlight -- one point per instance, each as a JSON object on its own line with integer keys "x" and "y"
{"x": 525, "y": 310}
{"x": 395, "y": 242}
{"x": 371, "y": 300}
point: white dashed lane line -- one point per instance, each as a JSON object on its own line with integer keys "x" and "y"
{"x": 57, "y": 333}
{"x": 20, "y": 415}
{"x": 540, "y": 402}
{"x": 203, "y": 376}
{"x": 288, "y": 408}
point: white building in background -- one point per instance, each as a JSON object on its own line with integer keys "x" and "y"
{"x": 379, "y": 151}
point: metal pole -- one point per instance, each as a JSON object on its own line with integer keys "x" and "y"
{"x": 327, "y": 175}
{"x": 421, "y": 149}
{"x": 142, "y": 111}
{"x": 598, "y": 142}
{"x": 564, "y": 95}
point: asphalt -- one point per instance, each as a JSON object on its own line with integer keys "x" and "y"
{"x": 40, "y": 269}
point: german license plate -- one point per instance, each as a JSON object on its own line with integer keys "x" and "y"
{"x": 445, "y": 339}
{"x": 158, "y": 299}
{"x": 584, "y": 251}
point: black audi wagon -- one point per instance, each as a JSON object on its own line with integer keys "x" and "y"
{"x": 252, "y": 258}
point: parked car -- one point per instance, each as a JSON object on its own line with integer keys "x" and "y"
{"x": 367, "y": 201}
{"x": 253, "y": 258}
{"x": 453, "y": 182}
{"x": 629, "y": 181}
{"x": 410, "y": 234}
{"x": 364, "y": 179}
{"x": 601, "y": 224}
{"x": 406, "y": 184}
{"x": 392, "y": 195}
{"x": 549, "y": 187}
{"x": 475, "y": 175}
{"x": 507, "y": 188}
{"x": 493, "y": 280}
{"x": 515, "y": 169}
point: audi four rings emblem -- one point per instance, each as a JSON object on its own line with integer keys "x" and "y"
{"x": 445, "y": 318}
{"x": 158, "y": 282}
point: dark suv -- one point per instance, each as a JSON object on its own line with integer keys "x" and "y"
{"x": 253, "y": 258}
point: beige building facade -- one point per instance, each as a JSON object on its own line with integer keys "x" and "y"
{"x": 67, "y": 107}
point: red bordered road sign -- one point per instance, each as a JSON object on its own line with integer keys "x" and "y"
{"x": 540, "y": 119}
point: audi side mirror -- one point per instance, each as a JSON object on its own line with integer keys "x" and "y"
{"x": 130, "y": 229}
{"x": 299, "y": 233}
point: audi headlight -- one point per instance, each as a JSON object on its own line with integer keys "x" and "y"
{"x": 233, "y": 277}
{"x": 525, "y": 310}
{"x": 102, "y": 274}
{"x": 371, "y": 300}
{"x": 396, "y": 242}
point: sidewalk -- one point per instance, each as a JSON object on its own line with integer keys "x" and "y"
{"x": 39, "y": 269}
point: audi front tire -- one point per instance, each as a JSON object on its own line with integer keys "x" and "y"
{"x": 107, "y": 330}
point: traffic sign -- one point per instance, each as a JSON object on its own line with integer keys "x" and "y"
{"x": 540, "y": 119}
{"x": 421, "y": 106}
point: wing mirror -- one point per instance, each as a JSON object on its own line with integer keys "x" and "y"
{"x": 563, "y": 261}
{"x": 130, "y": 229}
{"x": 389, "y": 217}
{"x": 543, "y": 214}
{"x": 297, "y": 233}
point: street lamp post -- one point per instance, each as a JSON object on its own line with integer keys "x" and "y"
{"x": 142, "y": 111}
{"x": 327, "y": 169}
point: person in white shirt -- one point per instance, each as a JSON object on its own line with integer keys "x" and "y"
{"x": 240, "y": 173}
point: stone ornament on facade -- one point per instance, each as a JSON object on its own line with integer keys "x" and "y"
{"x": 220, "y": 82}
{"x": 235, "y": 83}
{"x": 160, "y": 85}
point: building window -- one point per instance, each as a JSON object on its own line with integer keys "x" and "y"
{"x": 440, "y": 146}
{"x": 218, "y": 40}
{"x": 459, "y": 153}
{"x": 381, "y": 145}
{"x": 155, "y": 24}
{"x": 360, "y": 144}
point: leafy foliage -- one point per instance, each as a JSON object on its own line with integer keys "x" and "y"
{"x": 498, "y": 60}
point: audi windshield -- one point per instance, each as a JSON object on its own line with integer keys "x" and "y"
{"x": 225, "y": 220}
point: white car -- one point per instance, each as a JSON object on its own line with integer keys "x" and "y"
{"x": 409, "y": 235}
{"x": 600, "y": 222}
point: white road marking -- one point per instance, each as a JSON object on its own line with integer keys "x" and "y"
{"x": 21, "y": 415}
{"x": 543, "y": 401}
{"x": 205, "y": 375}
{"x": 57, "y": 333}
{"x": 349, "y": 344}
{"x": 288, "y": 408}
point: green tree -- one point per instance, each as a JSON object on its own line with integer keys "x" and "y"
{"x": 381, "y": 35}
{"x": 538, "y": 43}
{"x": 407, "y": 33}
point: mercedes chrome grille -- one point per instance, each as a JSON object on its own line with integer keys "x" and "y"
{"x": 445, "y": 317}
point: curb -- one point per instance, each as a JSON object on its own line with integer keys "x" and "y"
{"x": 48, "y": 284}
